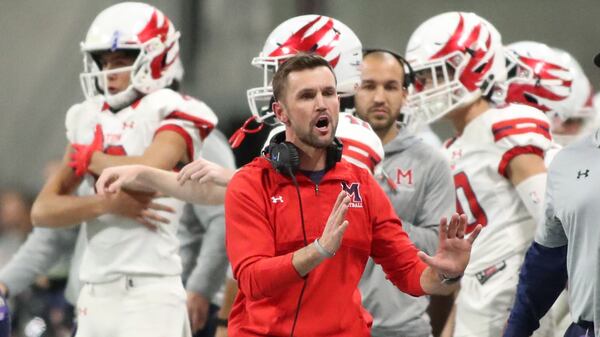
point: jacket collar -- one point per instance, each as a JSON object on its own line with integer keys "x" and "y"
{"x": 342, "y": 171}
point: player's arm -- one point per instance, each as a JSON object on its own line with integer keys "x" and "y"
{"x": 41, "y": 250}
{"x": 166, "y": 150}
{"x": 55, "y": 206}
{"x": 150, "y": 179}
{"x": 527, "y": 172}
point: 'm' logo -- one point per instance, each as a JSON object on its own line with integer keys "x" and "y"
{"x": 584, "y": 174}
{"x": 353, "y": 191}
{"x": 408, "y": 177}
{"x": 128, "y": 125}
{"x": 277, "y": 199}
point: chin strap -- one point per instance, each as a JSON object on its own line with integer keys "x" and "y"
{"x": 122, "y": 99}
{"x": 240, "y": 134}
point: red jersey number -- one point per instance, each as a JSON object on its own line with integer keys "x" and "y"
{"x": 464, "y": 191}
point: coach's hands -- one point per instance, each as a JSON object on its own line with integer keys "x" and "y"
{"x": 202, "y": 170}
{"x": 336, "y": 224}
{"x": 454, "y": 250}
{"x": 138, "y": 206}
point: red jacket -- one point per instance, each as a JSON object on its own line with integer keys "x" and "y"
{"x": 263, "y": 230}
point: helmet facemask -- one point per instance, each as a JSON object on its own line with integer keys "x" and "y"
{"x": 438, "y": 90}
{"x": 260, "y": 99}
{"x": 94, "y": 80}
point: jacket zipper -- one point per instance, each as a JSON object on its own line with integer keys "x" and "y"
{"x": 316, "y": 189}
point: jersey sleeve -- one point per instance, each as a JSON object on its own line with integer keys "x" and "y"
{"x": 191, "y": 118}
{"x": 517, "y": 130}
{"x": 550, "y": 233}
{"x": 362, "y": 146}
{"x": 71, "y": 121}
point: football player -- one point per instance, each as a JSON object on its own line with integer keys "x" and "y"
{"x": 551, "y": 80}
{"x": 130, "y": 267}
{"x": 497, "y": 157}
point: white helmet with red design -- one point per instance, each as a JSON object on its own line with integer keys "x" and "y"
{"x": 318, "y": 34}
{"x": 457, "y": 58}
{"x": 136, "y": 27}
{"x": 539, "y": 76}
{"x": 579, "y": 117}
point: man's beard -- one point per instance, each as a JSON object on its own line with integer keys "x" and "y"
{"x": 311, "y": 139}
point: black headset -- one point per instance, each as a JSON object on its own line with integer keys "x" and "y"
{"x": 285, "y": 159}
{"x": 409, "y": 74}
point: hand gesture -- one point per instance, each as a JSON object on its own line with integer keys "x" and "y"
{"x": 82, "y": 154}
{"x": 116, "y": 178}
{"x": 454, "y": 250}
{"x": 202, "y": 170}
{"x": 336, "y": 224}
{"x": 138, "y": 206}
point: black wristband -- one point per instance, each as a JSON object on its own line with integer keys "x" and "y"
{"x": 222, "y": 322}
{"x": 449, "y": 280}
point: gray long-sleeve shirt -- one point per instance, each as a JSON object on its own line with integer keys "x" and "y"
{"x": 202, "y": 235}
{"x": 418, "y": 181}
{"x": 571, "y": 218}
{"x": 202, "y": 232}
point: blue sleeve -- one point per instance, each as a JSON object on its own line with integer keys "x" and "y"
{"x": 542, "y": 278}
{"x": 4, "y": 318}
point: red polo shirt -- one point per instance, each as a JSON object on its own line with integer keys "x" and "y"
{"x": 263, "y": 230}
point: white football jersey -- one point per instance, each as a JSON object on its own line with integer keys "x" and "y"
{"x": 362, "y": 146}
{"x": 118, "y": 245}
{"x": 478, "y": 159}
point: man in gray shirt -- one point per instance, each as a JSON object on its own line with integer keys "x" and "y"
{"x": 417, "y": 180}
{"x": 566, "y": 245}
{"x": 202, "y": 241}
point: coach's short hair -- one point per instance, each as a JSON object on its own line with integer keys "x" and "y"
{"x": 298, "y": 62}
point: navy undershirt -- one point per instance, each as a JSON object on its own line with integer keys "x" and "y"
{"x": 314, "y": 176}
